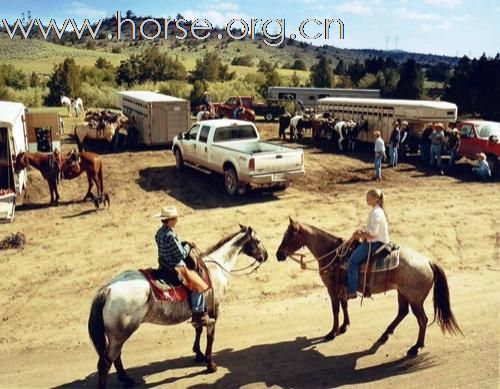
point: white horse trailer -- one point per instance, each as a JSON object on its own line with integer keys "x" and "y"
{"x": 157, "y": 117}
{"x": 13, "y": 140}
{"x": 382, "y": 113}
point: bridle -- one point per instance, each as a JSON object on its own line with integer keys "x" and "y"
{"x": 339, "y": 252}
{"x": 235, "y": 272}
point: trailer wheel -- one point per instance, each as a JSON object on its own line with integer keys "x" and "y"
{"x": 179, "y": 161}
{"x": 269, "y": 117}
{"x": 231, "y": 181}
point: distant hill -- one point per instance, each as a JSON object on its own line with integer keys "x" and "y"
{"x": 20, "y": 52}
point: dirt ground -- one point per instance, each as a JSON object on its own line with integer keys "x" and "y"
{"x": 268, "y": 333}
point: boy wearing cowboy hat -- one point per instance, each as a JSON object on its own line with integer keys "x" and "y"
{"x": 173, "y": 254}
{"x": 482, "y": 170}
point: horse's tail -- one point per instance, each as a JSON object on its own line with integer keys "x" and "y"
{"x": 96, "y": 323}
{"x": 442, "y": 308}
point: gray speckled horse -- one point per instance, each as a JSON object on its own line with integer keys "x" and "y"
{"x": 413, "y": 279}
{"x": 121, "y": 306}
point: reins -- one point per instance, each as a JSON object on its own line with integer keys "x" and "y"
{"x": 340, "y": 252}
{"x": 235, "y": 271}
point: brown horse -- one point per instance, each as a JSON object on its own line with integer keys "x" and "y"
{"x": 74, "y": 164}
{"x": 49, "y": 165}
{"x": 413, "y": 279}
{"x": 71, "y": 166}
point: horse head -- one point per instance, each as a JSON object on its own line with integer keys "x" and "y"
{"x": 253, "y": 246}
{"x": 291, "y": 242}
{"x": 21, "y": 162}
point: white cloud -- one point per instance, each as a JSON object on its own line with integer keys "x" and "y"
{"x": 356, "y": 7}
{"x": 77, "y": 9}
{"x": 404, "y": 13}
{"x": 444, "y": 3}
{"x": 223, "y": 6}
{"x": 217, "y": 13}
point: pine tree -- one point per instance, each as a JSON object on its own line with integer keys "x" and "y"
{"x": 322, "y": 74}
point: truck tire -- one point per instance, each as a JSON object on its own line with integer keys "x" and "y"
{"x": 268, "y": 117}
{"x": 179, "y": 160}
{"x": 231, "y": 181}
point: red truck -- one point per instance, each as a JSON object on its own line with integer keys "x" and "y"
{"x": 478, "y": 136}
{"x": 268, "y": 110}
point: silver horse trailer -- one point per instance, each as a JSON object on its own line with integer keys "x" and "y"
{"x": 157, "y": 117}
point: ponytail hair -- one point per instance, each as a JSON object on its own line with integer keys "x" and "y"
{"x": 379, "y": 195}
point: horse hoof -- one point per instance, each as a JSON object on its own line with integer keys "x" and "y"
{"x": 329, "y": 336}
{"x": 211, "y": 368}
{"x": 412, "y": 352}
{"x": 200, "y": 358}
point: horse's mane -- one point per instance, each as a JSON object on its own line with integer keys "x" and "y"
{"x": 220, "y": 243}
{"x": 325, "y": 234}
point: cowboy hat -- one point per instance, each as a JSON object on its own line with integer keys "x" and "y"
{"x": 405, "y": 123}
{"x": 167, "y": 213}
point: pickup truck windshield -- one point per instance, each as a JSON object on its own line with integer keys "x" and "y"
{"x": 226, "y": 134}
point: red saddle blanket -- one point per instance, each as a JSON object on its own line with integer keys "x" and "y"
{"x": 163, "y": 291}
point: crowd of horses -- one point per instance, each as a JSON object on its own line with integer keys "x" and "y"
{"x": 336, "y": 132}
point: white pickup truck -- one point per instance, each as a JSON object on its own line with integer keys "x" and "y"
{"x": 233, "y": 148}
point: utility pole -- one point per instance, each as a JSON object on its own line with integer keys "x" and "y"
{"x": 396, "y": 40}
{"x": 387, "y": 39}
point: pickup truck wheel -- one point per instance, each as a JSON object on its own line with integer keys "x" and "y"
{"x": 179, "y": 161}
{"x": 231, "y": 181}
{"x": 269, "y": 117}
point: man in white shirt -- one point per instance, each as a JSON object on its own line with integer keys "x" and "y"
{"x": 379, "y": 155}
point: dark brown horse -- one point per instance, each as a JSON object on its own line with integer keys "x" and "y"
{"x": 49, "y": 165}
{"x": 413, "y": 279}
{"x": 71, "y": 166}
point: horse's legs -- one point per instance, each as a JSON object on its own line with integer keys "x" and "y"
{"x": 347, "y": 321}
{"x": 199, "y": 357}
{"x": 402, "y": 312}
{"x": 335, "y": 310}
{"x": 419, "y": 312}
{"x": 122, "y": 374}
{"x": 89, "y": 190}
{"x": 52, "y": 192}
{"x": 211, "y": 366}
{"x": 56, "y": 191}
{"x": 103, "y": 367}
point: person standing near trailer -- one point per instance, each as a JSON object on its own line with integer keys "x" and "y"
{"x": 425, "y": 144}
{"x": 379, "y": 155}
{"x": 394, "y": 144}
{"x": 437, "y": 139}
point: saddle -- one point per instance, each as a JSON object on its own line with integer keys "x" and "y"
{"x": 175, "y": 284}
{"x": 384, "y": 259}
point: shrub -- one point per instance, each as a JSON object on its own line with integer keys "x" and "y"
{"x": 245, "y": 60}
{"x": 10, "y": 76}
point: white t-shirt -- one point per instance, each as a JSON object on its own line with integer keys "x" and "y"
{"x": 377, "y": 225}
{"x": 379, "y": 145}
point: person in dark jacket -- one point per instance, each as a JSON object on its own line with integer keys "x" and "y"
{"x": 205, "y": 101}
{"x": 425, "y": 144}
{"x": 394, "y": 143}
{"x": 453, "y": 145}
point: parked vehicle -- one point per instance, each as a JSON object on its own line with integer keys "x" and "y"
{"x": 233, "y": 148}
{"x": 157, "y": 117}
{"x": 310, "y": 96}
{"x": 479, "y": 136}
{"x": 269, "y": 110}
{"x": 13, "y": 140}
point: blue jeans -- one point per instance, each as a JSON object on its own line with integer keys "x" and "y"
{"x": 436, "y": 155}
{"x": 359, "y": 256}
{"x": 378, "y": 164}
{"x": 393, "y": 155}
{"x": 482, "y": 175}
{"x": 453, "y": 158}
{"x": 197, "y": 299}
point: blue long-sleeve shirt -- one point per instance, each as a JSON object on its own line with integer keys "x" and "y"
{"x": 170, "y": 250}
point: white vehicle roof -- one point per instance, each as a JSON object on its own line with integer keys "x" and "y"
{"x": 390, "y": 102}
{"x": 224, "y": 122}
{"x": 149, "y": 97}
{"x": 9, "y": 112}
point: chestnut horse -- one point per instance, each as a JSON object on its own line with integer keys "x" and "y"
{"x": 72, "y": 166}
{"x": 413, "y": 279}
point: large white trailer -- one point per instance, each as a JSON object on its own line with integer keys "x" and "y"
{"x": 13, "y": 140}
{"x": 157, "y": 117}
{"x": 382, "y": 113}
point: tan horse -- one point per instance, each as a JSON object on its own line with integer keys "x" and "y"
{"x": 413, "y": 279}
{"x": 99, "y": 130}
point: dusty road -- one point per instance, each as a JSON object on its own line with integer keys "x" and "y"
{"x": 271, "y": 321}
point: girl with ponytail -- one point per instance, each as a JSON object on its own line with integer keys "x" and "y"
{"x": 373, "y": 237}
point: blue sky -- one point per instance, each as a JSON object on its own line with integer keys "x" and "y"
{"x": 452, "y": 27}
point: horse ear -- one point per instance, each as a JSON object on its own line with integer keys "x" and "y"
{"x": 242, "y": 227}
{"x": 294, "y": 224}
